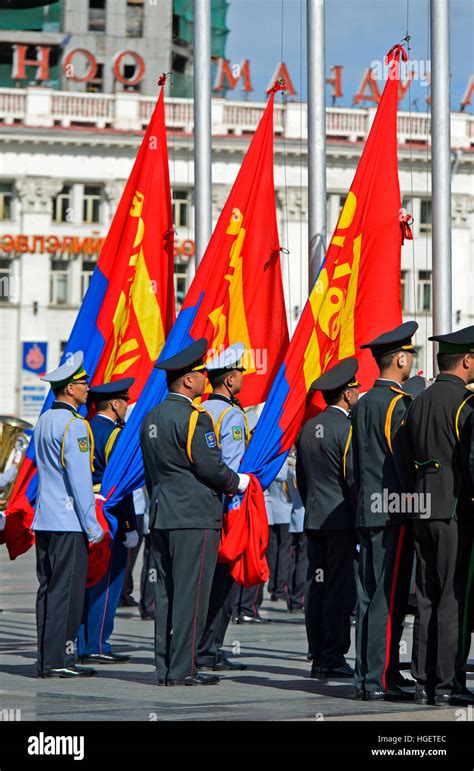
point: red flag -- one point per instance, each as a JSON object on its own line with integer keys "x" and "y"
{"x": 237, "y": 293}
{"x": 129, "y": 307}
{"x": 356, "y": 296}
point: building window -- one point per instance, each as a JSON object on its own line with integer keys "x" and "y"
{"x": 425, "y": 215}
{"x": 424, "y": 290}
{"x": 6, "y": 280}
{"x": 62, "y": 205}
{"x": 6, "y": 194}
{"x": 96, "y": 85}
{"x": 180, "y": 208}
{"x": 91, "y": 204}
{"x": 134, "y": 18}
{"x": 58, "y": 287}
{"x": 88, "y": 267}
{"x": 404, "y": 287}
{"x": 180, "y": 284}
{"x": 96, "y": 15}
{"x": 129, "y": 73}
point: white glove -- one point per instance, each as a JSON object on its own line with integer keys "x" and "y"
{"x": 244, "y": 480}
{"x": 131, "y": 539}
{"x": 3, "y": 521}
{"x": 97, "y": 538}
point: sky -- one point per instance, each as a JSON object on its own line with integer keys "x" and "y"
{"x": 358, "y": 32}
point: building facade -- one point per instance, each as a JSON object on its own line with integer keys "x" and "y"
{"x": 64, "y": 160}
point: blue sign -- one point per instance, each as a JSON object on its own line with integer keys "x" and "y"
{"x": 34, "y": 358}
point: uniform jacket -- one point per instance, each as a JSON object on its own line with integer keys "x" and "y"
{"x": 183, "y": 493}
{"x": 232, "y": 434}
{"x": 437, "y": 451}
{"x": 324, "y": 471}
{"x": 65, "y": 500}
{"x": 279, "y": 505}
{"x": 106, "y": 433}
{"x": 379, "y": 453}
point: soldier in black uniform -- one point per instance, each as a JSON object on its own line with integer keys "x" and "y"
{"x": 386, "y": 547}
{"x": 443, "y": 535}
{"x": 324, "y": 476}
{"x": 185, "y": 477}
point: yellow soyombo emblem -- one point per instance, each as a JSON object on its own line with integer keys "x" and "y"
{"x": 137, "y": 292}
{"x": 332, "y": 305}
{"x": 236, "y": 323}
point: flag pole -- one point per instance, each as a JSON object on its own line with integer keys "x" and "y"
{"x": 316, "y": 137}
{"x": 441, "y": 169}
{"x": 202, "y": 126}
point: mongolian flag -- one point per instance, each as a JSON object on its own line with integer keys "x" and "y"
{"x": 355, "y": 297}
{"x": 128, "y": 309}
{"x": 236, "y": 296}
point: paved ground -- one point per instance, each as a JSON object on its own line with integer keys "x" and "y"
{"x": 276, "y": 685}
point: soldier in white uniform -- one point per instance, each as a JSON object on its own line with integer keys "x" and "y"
{"x": 225, "y": 373}
{"x": 65, "y": 520}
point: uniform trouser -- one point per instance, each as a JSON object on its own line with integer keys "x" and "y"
{"x": 218, "y": 617}
{"x": 279, "y": 558}
{"x": 147, "y": 584}
{"x": 245, "y": 601}
{"x": 101, "y": 603}
{"x": 185, "y": 562}
{"x": 61, "y": 566}
{"x": 383, "y": 587}
{"x": 443, "y": 551}
{"x": 132, "y": 555}
{"x": 298, "y": 571}
{"x": 328, "y": 594}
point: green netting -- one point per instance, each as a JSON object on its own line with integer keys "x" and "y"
{"x": 219, "y": 29}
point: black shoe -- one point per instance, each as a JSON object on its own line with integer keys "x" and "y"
{"x": 389, "y": 694}
{"x": 423, "y": 697}
{"x": 225, "y": 664}
{"x": 128, "y": 602}
{"x": 161, "y": 682}
{"x": 243, "y": 619}
{"x": 360, "y": 694}
{"x": 147, "y": 616}
{"x": 454, "y": 699}
{"x": 104, "y": 658}
{"x": 343, "y": 671}
{"x": 198, "y": 679}
{"x": 68, "y": 672}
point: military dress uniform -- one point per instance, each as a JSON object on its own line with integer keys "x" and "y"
{"x": 64, "y": 524}
{"x": 386, "y": 545}
{"x": 102, "y": 599}
{"x": 443, "y": 534}
{"x": 185, "y": 477}
{"x": 232, "y": 435}
{"x": 325, "y": 481}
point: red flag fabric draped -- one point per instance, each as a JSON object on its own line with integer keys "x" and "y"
{"x": 128, "y": 309}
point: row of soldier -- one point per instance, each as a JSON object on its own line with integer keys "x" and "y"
{"x": 380, "y": 478}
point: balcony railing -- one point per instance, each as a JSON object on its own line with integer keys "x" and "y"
{"x": 127, "y": 111}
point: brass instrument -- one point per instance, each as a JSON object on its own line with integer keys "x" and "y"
{"x": 13, "y": 439}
